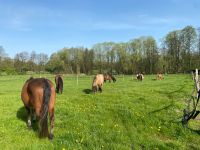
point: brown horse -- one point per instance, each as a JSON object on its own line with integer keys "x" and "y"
{"x": 109, "y": 77}
{"x": 59, "y": 83}
{"x": 159, "y": 76}
{"x": 97, "y": 83}
{"x": 38, "y": 96}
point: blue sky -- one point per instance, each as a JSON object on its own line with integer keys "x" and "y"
{"x": 49, "y": 25}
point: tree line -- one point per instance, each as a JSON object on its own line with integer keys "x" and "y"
{"x": 179, "y": 52}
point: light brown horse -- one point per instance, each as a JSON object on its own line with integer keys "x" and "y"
{"x": 159, "y": 76}
{"x": 38, "y": 96}
{"x": 98, "y": 83}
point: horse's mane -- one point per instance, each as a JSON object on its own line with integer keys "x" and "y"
{"x": 31, "y": 78}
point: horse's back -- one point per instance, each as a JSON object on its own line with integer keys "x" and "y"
{"x": 33, "y": 91}
{"x": 99, "y": 79}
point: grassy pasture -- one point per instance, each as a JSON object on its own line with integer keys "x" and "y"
{"x": 129, "y": 114}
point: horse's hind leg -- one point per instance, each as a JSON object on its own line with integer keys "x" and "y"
{"x": 29, "y": 117}
{"x": 52, "y": 118}
{"x": 100, "y": 88}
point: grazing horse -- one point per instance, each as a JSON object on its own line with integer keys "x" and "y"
{"x": 140, "y": 76}
{"x": 59, "y": 83}
{"x": 97, "y": 83}
{"x": 109, "y": 77}
{"x": 159, "y": 76}
{"x": 38, "y": 96}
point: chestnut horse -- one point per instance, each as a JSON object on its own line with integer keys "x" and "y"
{"x": 59, "y": 83}
{"x": 38, "y": 96}
{"x": 97, "y": 83}
{"x": 109, "y": 77}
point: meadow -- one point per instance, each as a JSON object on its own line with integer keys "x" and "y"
{"x": 128, "y": 114}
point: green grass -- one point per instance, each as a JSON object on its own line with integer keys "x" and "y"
{"x": 128, "y": 114}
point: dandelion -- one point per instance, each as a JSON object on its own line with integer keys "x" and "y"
{"x": 101, "y": 124}
{"x": 116, "y": 125}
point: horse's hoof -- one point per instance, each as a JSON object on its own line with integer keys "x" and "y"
{"x": 51, "y": 136}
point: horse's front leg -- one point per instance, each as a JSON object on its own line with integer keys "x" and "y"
{"x": 100, "y": 89}
{"x": 33, "y": 114}
{"x": 52, "y": 118}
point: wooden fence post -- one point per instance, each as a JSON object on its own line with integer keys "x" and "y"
{"x": 76, "y": 79}
{"x": 196, "y": 80}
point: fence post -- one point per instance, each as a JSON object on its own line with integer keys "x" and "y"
{"x": 196, "y": 80}
{"x": 76, "y": 79}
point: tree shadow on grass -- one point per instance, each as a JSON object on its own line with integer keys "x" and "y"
{"x": 87, "y": 91}
{"x": 163, "y": 108}
{"x": 196, "y": 131}
{"x": 23, "y": 115}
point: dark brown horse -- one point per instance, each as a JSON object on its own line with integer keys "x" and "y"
{"x": 109, "y": 77}
{"x": 38, "y": 96}
{"x": 59, "y": 83}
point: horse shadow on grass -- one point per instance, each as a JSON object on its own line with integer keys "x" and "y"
{"x": 163, "y": 108}
{"x": 23, "y": 116}
{"x": 87, "y": 91}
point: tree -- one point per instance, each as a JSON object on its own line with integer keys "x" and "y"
{"x": 122, "y": 58}
{"x": 188, "y": 39}
{"x": 151, "y": 55}
{"x": 173, "y": 46}
{"x": 42, "y": 59}
{"x": 136, "y": 49}
{"x": 2, "y": 53}
{"x": 55, "y": 64}
{"x": 20, "y": 62}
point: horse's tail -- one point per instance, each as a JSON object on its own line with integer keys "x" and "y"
{"x": 44, "y": 111}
